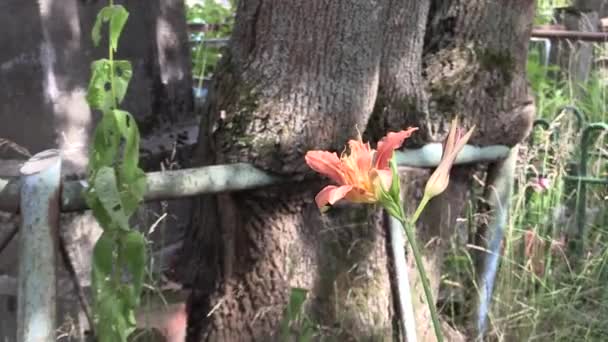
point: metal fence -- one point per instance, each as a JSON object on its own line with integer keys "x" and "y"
{"x": 39, "y": 195}
{"x": 578, "y": 178}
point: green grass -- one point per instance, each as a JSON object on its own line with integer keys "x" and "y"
{"x": 543, "y": 292}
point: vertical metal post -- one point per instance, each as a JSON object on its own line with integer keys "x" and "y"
{"x": 404, "y": 292}
{"x": 577, "y": 244}
{"x": 499, "y": 198}
{"x": 39, "y": 204}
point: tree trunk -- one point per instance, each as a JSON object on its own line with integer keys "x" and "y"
{"x": 302, "y": 75}
{"x": 297, "y": 76}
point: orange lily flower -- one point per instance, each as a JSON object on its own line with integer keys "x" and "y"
{"x": 359, "y": 173}
{"x": 452, "y": 145}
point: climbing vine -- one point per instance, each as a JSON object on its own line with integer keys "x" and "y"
{"x": 116, "y": 187}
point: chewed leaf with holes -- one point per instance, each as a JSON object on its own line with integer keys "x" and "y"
{"x": 128, "y": 129}
{"x": 102, "y": 17}
{"x": 106, "y": 188}
{"x": 106, "y": 141}
{"x": 100, "y": 89}
{"x": 132, "y": 179}
{"x": 122, "y": 76}
{"x": 103, "y": 86}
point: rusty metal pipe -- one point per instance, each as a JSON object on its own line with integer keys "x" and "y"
{"x": 572, "y": 35}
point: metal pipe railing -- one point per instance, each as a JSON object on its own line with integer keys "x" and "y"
{"x": 572, "y": 35}
{"x": 233, "y": 177}
{"x": 537, "y": 33}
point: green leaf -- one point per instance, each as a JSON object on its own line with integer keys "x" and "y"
{"x": 134, "y": 257}
{"x": 112, "y": 324}
{"x": 395, "y": 190}
{"x": 99, "y": 94}
{"x": 96, "y": 206}
{"x": 106, "y": 187}
{"x": 131, "y": 178}
{"x": 103, "y": 85}
{"x": 296, "y": 300}
{"x": 102, "y": 17}
{"x": 123, "y": 71}
{"x": 127, "y": 127}
{"x": 105, "y": 143}
{"x": 132, "y": 191}
{"x": 117, "y": 15}
{"x": 118, "y": 19}
{"x": 102, "y": 266}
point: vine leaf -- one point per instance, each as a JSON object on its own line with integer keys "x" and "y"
{"x": 102, "y": 17}
{"x": 117, "y": 15}
{"x": 134, "y": 249}
{"x": 132, "y": 178}
{"x": 119, "y": 327}
{"x": 117, "y": 23}
{"x": 107, "y": 304}
{"x": 106, "y": 187}
{"x": 105, "y": 143}
{"x": 99, "y": 94}
{"x": 103, "y": 85}
{"x": 122, "y": 76}
{"x": 103, "y": 261}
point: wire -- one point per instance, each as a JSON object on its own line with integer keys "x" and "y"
{"x": 7, "y": 240}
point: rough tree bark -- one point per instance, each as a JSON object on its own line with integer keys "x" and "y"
{"x": 302, "y": 75}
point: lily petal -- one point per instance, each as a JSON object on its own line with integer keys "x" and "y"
{"x": 386, "y": 178}
{"x": 440, "y": 178}
{"x": 326, "y": 163}
{"x": 458, "y": 145}
{"x": 388, "y": 144}
{"x": 331, "y": 194}
{"x": 450, "y": 140}
{"x": 362, "y": 154}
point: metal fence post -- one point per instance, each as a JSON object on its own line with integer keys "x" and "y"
{"x": 581, "y": 200}
{"x": 499, "y": 198}
{"x": 39, "y": 204}
{"x": 404, "y": 292}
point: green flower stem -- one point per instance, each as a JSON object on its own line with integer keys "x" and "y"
{"x": 411, "y": 238}
{"x": 111, "y": 58}
{"x": 421, "y": 206}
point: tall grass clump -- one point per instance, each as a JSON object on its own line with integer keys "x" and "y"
{"x": 544, "y": 291}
